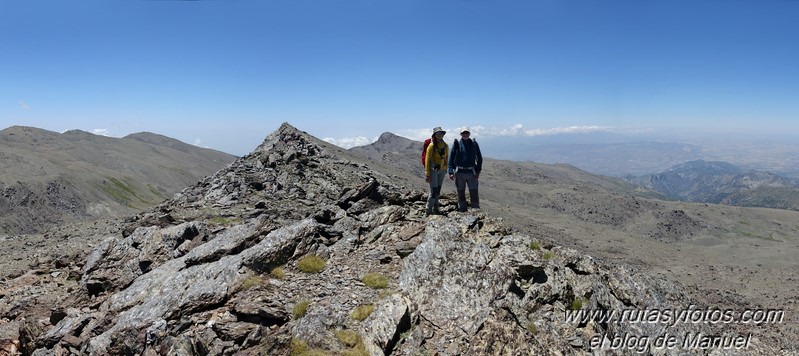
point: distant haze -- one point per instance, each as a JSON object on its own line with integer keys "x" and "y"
{"x": 637, "y": 153}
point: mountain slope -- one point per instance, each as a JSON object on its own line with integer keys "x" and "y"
{"x": 47, "y": 178}
{"x": 722, "y": 183}
{"x": 198, "y": 274}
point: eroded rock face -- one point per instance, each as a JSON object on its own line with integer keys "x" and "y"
{"x": 200, "y": 275}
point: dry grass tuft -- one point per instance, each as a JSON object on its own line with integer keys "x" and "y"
{"x": 362, "y": 312}
{"x": 311, "y": 264}
{"x": 375, "y": 281}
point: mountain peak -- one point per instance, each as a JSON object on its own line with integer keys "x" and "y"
{"x": 288, "y": 138}
{"x": 390, "y": 137}
{"x": 145, "y": 135}
{"x": 25, "y": 134}
{"x": 77, "y": 132}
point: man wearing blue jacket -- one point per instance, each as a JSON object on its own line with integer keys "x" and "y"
{"x": 465, "y": 164}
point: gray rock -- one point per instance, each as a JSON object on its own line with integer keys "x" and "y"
{"x": 390, "y": 318}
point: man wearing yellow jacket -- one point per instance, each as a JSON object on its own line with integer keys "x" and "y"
{"x": 435, "y": 169}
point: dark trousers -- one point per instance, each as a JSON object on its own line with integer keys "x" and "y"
{"x": 465, "y": 178}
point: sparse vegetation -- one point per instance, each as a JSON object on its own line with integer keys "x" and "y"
{"x": 252, "y": 280}
{"x": 375, "y": 281}
{"x": 362, "y": 312}
{"x": 535, "y": 246}
{"x": 358, "y": 350}
{"x": 352, "y": 339}
{"x": 120, "y": 191}
{"x": 300, "y": 309}
{"x": 123, "y": 186}
{"x": 548, "y": 255}
{"x": 754, "y": 236}
{"x": 577, "y": 303}
{"x": 532, "y": 328}
{"x": 154, "y": 190}
{"x": 300, "y": 348}
{"x": 278, "y": 273}
{"x": 223, "y": 221}
{"x": 311, "y": 264}
{"x": 385, "y": 293}
{"x": 347, "y": 337}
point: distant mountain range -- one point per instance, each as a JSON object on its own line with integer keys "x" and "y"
{"x": 49, "y": 178}
{"x": 722, "y": 183}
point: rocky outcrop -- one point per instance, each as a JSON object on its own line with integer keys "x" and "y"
{"x": 223, "y": 269}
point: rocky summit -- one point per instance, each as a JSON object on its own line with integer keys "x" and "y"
{"x": 299, "y": 249}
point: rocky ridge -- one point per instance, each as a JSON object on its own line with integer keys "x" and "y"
{"x": 201, "y": 275}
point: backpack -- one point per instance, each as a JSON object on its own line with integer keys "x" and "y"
{"x": 424, "y": 151}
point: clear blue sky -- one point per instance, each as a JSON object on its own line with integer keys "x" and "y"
{"x": 224, "y": 74}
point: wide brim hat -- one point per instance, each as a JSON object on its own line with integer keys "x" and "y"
{"x": 466, "y": 130}
{"x": 439, "y": 129}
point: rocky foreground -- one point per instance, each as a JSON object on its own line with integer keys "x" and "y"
{"x": 298, "y": 249}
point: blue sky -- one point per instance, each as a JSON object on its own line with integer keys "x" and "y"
{"x": 224, "y": 74}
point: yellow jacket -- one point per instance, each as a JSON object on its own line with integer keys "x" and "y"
{"x": 436, "y": 158}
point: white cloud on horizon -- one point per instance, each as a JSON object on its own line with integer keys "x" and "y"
{"x": 349, "y": 142}
{"x": 199, "y": 143}
{"x": 564, "y": 130}
{"x": 482, "y": 131}
{"x": 514, "y": 130}
{"x": 101, "y": 132}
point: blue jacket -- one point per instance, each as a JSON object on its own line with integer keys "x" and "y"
{"x": 465, "y": 153}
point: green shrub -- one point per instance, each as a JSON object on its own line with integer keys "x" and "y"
{"x": 278, "y": 273}
{"x": 548, "y": 255}
{"x": 375, "y": 280}
{"x": 311, "y": 264}
{"x": 300, "y": 309}
{"x": 535, "y": 246}
{"x": 362, "y": 312}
